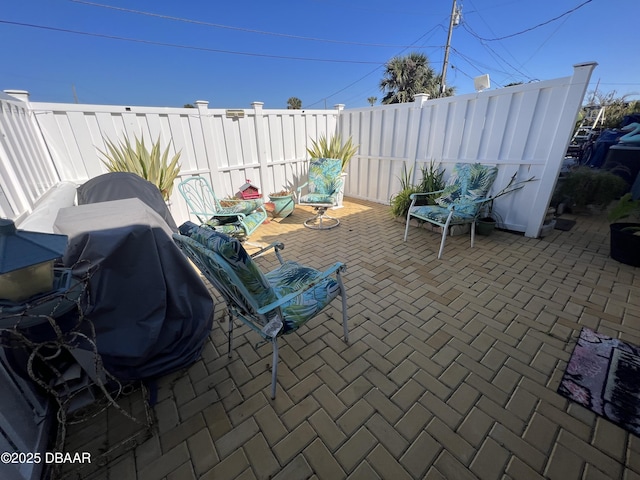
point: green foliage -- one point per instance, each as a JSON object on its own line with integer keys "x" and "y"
{"x": 615, "y": 107}
{"x": 294, "y": 103}
{"x": 404, "y": 77}
{"x": 588, "y": 186}
{"x": 626, "y": 207}
{"x": 333, "y": 148}
{"x": 616, "y": 111}
{"x": 153, "y": 165}
{"x": 372, "y": 100}
{"x": 431, "y": 181}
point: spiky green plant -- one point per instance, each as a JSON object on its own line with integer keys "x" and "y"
{"x": 432, "y": 180}
{"x": 333, "y": 147}
{"x": 153, "y": 165}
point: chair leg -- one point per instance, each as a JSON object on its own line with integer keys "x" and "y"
{"x": 406, "y": 228}
{"x": 321, "y": 221}
{"x": 343, "y": 296}
{"x": 274, "y": 367}
{"x": 445, "y": 230}
{"x": 230, "y": 341}
{"x": 473, "y": 233}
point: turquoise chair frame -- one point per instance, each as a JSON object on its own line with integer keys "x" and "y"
{"x": 459, "y": 203}
{"x": 272, "y": 304}
{"x": 239, "y": 219}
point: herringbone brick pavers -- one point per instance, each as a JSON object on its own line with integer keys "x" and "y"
{"x": 451, "y": 370}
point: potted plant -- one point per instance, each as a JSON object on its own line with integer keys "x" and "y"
{"x": 488, "y": 219}
{"x": 625, "y": 236}
{"x": 333, "y": 147}
{"x": 431, "y": 181}
{"x": 153, "y": 165}
{"x": 283, "y": 203}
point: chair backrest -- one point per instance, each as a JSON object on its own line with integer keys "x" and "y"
{"x": 225, "y": 263}
{"x": 325, "y": 176}
{"x": 200, "y": 198}
{"x": 468, "y": 183}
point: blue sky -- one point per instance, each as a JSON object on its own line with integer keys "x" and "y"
{"x": 232, "y": 53}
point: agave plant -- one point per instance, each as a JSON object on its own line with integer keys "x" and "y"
{"x": 333, "y": 148}
{"x": 153, "y": 165}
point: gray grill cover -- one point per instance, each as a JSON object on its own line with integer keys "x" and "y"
{"x": 121, "y": 185}
{"x": 151, "y": 310}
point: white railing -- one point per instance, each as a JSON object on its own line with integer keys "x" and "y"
{"x": 524, "y": 129}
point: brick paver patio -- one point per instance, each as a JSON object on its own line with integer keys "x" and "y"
{"x": 451, "y": 370}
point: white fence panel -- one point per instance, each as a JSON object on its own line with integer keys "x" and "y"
{"x": 267, "y": 147}
{"x": 26, "y": 169}
{"x": 524, "y": 129}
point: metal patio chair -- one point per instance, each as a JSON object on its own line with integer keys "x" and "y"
{"x": 272, "y": 304}
{"x": 459, "y": 203}
{"x": 324, "y": 183}
{"x": 236, "y": 217}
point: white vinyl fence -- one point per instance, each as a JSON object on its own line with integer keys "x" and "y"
{"x": 523, "y": 129}
{"x": 26, "y": 170}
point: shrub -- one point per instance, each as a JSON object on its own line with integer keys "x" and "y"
{"x": 153, "y": 165}
{"x": 588, "y": 186}
{"x": 430, "y": 182}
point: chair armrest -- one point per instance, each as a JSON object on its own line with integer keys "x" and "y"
{"x": 276, "y": 246}
{"x": 422, "y": 194}
{"x": 338, "y": 266}
{"x": 299, "y": 190}
{"x": 223, "y": 214}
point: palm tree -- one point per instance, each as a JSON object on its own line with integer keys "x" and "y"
{"x": 294, "y": 103}
{"x": 404, "y": 77}
{"x": 372, "y": 100}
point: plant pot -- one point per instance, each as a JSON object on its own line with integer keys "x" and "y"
{"x": 283, "y": 205}
{"x": 625, "y": 246}
{"x": 485, "y": 226}
{"x": 340, "y": 196}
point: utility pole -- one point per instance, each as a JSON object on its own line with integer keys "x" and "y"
{"x": 453, "y": 21}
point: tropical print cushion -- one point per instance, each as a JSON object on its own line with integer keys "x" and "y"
{"x": 291, "y": 277}
{"x": 439, "y": 214}
{"x": 318, "y": 198}
{"x": 252, "y": 221}
{"x": 234, "y": 226}
{"x": 238, "y": 261}
{"x": 265, "y": 289}
{"x": 240, "y": 206}
{"x": 468, "y": 183}
{"x": 324, "y": 176}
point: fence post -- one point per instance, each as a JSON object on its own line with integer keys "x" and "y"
{"x": 415, "y": 126}
{"x": 261, "y": 149}
{"x": 205, "y": 126}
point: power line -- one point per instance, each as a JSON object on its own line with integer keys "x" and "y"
{"x": 239, "y": 29}
{"x": 568, "y": 12}
{"x": 493, "y": 52}
{"x": 478, "y": 12}
{"x": 188, "y": 47}
{"x": 375, "y": 69}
